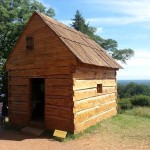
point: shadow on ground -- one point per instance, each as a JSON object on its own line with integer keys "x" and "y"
{"x": 7, "y": 134}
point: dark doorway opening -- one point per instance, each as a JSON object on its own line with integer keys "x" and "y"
{"x": 37, "y": 99}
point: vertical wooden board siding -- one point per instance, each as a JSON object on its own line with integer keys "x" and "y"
{"x": 89, "y": 113}
{"x": 94, "y": 120}
{"x": 84, "y": 84}
{"x": 93, "y": 102}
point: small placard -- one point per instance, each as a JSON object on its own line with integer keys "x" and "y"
{"x": 59, "y": 133}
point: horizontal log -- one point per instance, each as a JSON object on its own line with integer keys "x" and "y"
{"x": 11, "y": 111}
{"x": 16, "y": 118}
{"x": 59, "y": 90}
{"x": 18, "y": 98}
{"x": 18, "y": 106}
{"x": 94, "y": 120}
{"x": 86, "y": 114}
{"x": 59, "y": 101}
{"x": 101, "y": 74}
{"x": 60, "y": 76}
{"x": 63, "y": 112}
{"x": 43, "y": 71}
{"x": 18, "y": 81}
{"x": 14, "y": 89}
{"x": 93, "y": 102}
{"x": 53, "y": 123}
{"x": 83, "y": 84}
{"x": 39, "y": 63}
{"x": 87, "y": 93}
{"x": 60, "y": 82}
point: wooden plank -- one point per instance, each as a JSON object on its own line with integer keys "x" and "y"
{"x": 59, "y": 90}
{"x": 18, "y": 106}
{"x": 19, "y": 89}
{"x": 60, "y": 76}
{"x": 61, "y": 82}
{"x": 93, "y": 102}
{"x": 19, "y": 119}
{"x": 101, "y": 74}
{"x": 83, "y": 84}
{"x": 94, "y": 120}
{"x": 40, "y": 63}
{"x": 43, "y": 71}
{"x": 87, "y": 93}
{"x": 53, "y": 123}
{"x": 60, "y": 101}
{"x": 18, "y": 98}
{"x": 18, "y": 81}
{"x": 62, "y": 112}
{"x": 86, "y": 114}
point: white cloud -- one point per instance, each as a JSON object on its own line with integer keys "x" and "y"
{"x": 137, "y": 67}
{"x": 126, "y": 11}
{"x": 116, "y": 20}
{"x": 99, "y": 30}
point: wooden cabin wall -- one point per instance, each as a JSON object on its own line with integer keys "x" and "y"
{"x": 91, "y": 107}
{"x": 51, "y": 60}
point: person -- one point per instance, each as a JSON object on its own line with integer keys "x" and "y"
{"x": 1, "y": 116}
{"x": 3, "y": 109}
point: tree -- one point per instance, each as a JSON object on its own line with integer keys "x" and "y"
{"x": 110, "y": 45}
{"x": 14, "y": 15}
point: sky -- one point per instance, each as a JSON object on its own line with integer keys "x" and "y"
{"x": 126, "y": 21}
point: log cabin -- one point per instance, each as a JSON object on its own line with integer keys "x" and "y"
{"x": 59, "y": 78}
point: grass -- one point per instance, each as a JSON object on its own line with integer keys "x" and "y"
{"x": 132, "y": 125}
{"x": 83, "y": 133}
{"x": 139, "y": 111}
{"x": 121, "y": 126}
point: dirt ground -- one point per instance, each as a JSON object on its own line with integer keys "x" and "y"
{"x": 13, "y": 140}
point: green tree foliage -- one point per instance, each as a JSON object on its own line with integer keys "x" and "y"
{"x": 110, "y": 45}
{"x": 14, "y": 14}
{"x": 132, "y": 89}
{"x": 140, "y": 100}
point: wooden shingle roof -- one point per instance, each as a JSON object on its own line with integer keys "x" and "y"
{"x": 82, "y": 46}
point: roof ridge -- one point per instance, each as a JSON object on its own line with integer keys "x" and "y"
{"x": 63, "y": 25}
{"x": 98, "y": 56}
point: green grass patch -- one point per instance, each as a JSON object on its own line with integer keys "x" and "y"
{"x": 121, "y": 126}
{"x": 139, "y": 111}
{"x": 91, "y": 129}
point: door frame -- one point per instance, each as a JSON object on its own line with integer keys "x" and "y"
{"x": 30, "y": 98}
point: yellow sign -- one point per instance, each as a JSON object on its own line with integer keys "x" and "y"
{"x": 59, "y": 133}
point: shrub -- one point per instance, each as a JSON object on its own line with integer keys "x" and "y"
{"x": 139, "y": 111}
{"x": 124, "y": 104}
{"x": 140, "y": 100}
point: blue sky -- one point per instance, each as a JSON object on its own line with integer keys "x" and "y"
{"x": 126, "y": 21}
